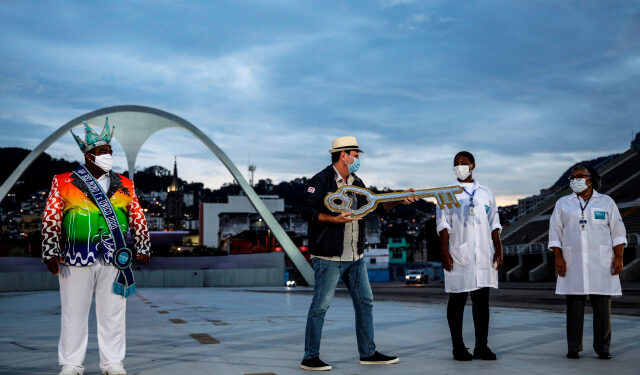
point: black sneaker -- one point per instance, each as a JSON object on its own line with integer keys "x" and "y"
{"x": 604, "y": 355}
{"x": 379, "y": 359}
{"x": 573, "y": 355}
{"x": 461, "y": 354}
{"x": 314, "y": 364}
{"x": 484, "y": 353}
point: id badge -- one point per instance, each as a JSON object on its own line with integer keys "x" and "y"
{"x": 583, "y": 224}
{"x": 471, "y": 210}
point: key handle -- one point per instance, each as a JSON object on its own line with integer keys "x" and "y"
{"x": 340, "y": 201}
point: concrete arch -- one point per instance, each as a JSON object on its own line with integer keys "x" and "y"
{"x": 140, "y": 123}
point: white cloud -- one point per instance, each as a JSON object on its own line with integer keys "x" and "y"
{"x": 416, "y": 21}
{"x": 394, "y": 3}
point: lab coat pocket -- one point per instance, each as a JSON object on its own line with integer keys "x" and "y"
{"x": 485, "y": 256}
{"x": 460, "y": 255}
{"x": 599, "y": 216}
{"x": 606, "y": 255}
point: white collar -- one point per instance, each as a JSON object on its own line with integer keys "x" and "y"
{"x": 339, "y": 177}
{"x": 595, "y": 194}
{"x": 474, "y": 184}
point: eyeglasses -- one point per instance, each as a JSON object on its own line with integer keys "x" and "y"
{"x": 571, "y": 178}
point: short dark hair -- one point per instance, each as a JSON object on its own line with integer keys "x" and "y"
{"x": 467, "y": 155}
{"x": 335, "y": 156}
{"x": 596, "y": 180}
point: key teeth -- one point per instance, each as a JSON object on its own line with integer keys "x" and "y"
{"x": 445, "y": 198}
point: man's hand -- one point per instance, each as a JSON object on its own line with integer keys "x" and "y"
{"x": 389, "y": 205}
{"x": 53, "y": 264}
{"x": 561, "y": 265}
{"x": 410, "y": 199}
{"x": 617, "y": 266}
{"x": 447, "y": 261}
{"x": 497, "y": 259}
{"x": 142, "y": 258}
{"x": 344, "y": 218}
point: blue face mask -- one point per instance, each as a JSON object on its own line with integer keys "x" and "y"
{"x": 353, "y": 167}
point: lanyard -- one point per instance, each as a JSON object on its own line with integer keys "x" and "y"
{"x": 582, "y": 220}
{"x": 582, "y": 208}
{"x": 471, "y": 194}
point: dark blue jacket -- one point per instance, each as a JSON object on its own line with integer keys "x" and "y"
{"x": 327, "y": 239}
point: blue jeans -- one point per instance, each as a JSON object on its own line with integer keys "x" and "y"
{"x": 327, "y": 275}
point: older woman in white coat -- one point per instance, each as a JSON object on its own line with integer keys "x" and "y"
{"x": 471, "y": 255}
{"x": 587, "y": 236}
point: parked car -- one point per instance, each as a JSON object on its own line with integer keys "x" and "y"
{"x": 416, "y": 277}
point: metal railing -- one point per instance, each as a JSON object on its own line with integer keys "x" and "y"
{"x": 525, "y": 248}
{"x": 539, "y": 247}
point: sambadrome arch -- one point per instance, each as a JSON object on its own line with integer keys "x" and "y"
{"x": 140, "y": 123}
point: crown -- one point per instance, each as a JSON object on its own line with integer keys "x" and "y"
{"x": 92, "y": 139}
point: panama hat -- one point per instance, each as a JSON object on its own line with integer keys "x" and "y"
{"x": 347, "y": 143}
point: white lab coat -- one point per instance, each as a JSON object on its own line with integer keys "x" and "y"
{"x": 588, "y": 253}
{"x": 470, "y": 243}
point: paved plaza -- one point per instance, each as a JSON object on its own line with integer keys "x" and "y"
{"x": 246, "y": 331}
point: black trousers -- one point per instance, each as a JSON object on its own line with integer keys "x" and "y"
{"x": 601, "y": 322}
{"x": 480, "y": 310}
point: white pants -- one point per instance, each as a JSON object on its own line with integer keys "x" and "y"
{"x": 77, "y": 287}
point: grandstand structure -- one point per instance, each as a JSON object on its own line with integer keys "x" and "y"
{"x": 525, "y": 241}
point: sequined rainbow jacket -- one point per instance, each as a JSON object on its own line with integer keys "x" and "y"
{"x": 73, "y": 227}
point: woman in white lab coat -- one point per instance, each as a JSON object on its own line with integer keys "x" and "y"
{"x": 471, "y": 255}
{"x": 587, "y": 236}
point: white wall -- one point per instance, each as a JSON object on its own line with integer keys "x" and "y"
{"x": 236, "y": 204}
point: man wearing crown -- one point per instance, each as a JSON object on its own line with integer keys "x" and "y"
{"x": 85, "y": 222}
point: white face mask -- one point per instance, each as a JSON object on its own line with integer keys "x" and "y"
{"x": 462, "y": 171}
{"x": 104, "y": 162}
{"x": 578, "y": 185}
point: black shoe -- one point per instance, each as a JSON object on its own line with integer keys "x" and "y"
{"x": 573, "y": 355}
{"x": 314, "y": 364}
{"x": 604, "y": 355}
{"x": 379, "y": 359}
{"x": 461, "y": 354}
{"x": 484, "y": 353}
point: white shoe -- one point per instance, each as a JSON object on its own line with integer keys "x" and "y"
{"x": 115, "y": 370}
{"x": 69, "y": 371}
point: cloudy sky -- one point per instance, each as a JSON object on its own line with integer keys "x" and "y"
{"x": 529, "y": 87}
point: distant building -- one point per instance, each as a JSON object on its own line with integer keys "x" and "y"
{"x": 175, "y": 201}
{"x": 188, "y": 199}
{"x": 529, "y": 203}
{"x": 191, "y": 224}
{"x": 235, "y": 216}
{"x": 292, "y": 222}
{"x": 373, "y": 229}
{"x": 155, "y": 223}
{"x": 377, "y": 260}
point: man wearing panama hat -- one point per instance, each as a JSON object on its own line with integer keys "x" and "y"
{"x": 336, "y": 244}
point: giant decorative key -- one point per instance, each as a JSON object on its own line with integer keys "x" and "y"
{"x": 341, "y": 201}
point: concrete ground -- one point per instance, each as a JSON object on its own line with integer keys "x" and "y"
{"x": 538, "y": 296}
{"x": 246, "y": 331}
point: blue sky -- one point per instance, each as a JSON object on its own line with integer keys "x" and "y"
{"x": 529, "y": 87}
